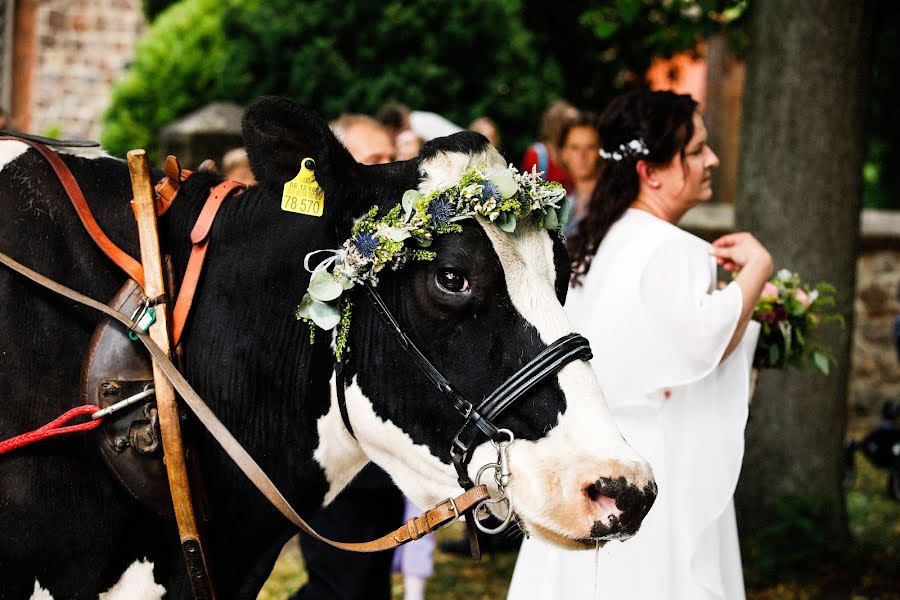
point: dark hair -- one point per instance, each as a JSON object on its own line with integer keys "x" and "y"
{"x": 393, "y": 115}
{"x": 665, "y": 121}
{"x": 584, "y": 119}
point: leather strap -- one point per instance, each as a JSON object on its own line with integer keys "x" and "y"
{"x": 443, "y": 514}
{"x": 168, "y": 186}
{"x": 200, "y": 239}
{"x": 125, "y": 262}
{"x": 550, "y": 360}
{"x": 9, "y": 133}
{"x": 166, "y": 190}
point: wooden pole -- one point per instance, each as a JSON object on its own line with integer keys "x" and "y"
{"x": 166, "y": 405}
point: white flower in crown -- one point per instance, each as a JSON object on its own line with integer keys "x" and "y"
{"x": 633, "y": 148}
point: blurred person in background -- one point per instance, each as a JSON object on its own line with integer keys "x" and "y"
{"x": 579, "y": 154}
{"x": 545, "y": 153}
{"x": 486, "y": 127}
{"x": 236, "y": 166}
{"x": 371, "y": 505}
{"x": 408, "y": 144}
{"x": 365, "y": 138}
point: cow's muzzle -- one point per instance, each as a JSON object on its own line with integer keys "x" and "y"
{"x": 618, "y": 507}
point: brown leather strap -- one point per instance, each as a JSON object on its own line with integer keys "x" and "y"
{"x": 200, "y": 239}
{"x": 124, "y": 261}
{"x": 438, "y": 516}
{"x": 168, "y": 186}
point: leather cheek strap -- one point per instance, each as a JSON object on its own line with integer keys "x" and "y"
{"x": 200, "y": 239}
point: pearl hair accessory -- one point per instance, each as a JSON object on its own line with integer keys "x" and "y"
{"x": 633, "y": 148}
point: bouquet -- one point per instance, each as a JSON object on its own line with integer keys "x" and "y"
{"x": 788, "y": 312}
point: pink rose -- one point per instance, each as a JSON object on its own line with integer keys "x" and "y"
{"x": 769, "y": 291}
{"x": 802, "y": 297}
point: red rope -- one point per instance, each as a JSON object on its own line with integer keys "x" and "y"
{"x": 53, "y": 428}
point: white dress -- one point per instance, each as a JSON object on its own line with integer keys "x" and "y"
{"x": 658, "y": 329}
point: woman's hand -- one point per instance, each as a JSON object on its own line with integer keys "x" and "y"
{"x": 743, "y": 254}
{"x": 737, "y": 250}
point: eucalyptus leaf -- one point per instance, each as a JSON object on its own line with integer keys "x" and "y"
{"x": 398, "y": 235}
{"x": 410, "y": 197}
{"x": 505, "y": 183}
{"x": 303, "y": 309}
{"x": 344, "y": 281}
{"x": 507, "y": 223}
{"x": 551, "y": 221}
{"x": 326, "y": 316}
{"x": 323, "y": 287}
{"x": 821, "y": 362}
{"x": 423, "y": 242}
{"x": 564, "y": 212}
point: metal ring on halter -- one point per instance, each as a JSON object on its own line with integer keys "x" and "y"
{"x": 501, "y": 526}
{"x": 499, "y": 445}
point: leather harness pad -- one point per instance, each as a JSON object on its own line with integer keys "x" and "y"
{"x": 115, "y": 368}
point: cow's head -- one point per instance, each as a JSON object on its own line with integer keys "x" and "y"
{"x": 483, "y": 307}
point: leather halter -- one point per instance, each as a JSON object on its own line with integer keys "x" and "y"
{"x": 479, "y": 419}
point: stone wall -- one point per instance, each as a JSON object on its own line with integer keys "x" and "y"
{"x": 875, "y": 372}
{"x": 82, "y": 48}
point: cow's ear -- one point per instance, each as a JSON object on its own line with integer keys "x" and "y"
{"x": 279, "y": 134}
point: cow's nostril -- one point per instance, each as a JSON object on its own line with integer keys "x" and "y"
{"x": 603, "y": 504}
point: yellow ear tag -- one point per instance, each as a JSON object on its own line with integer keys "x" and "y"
{"x": 302, "y": 194}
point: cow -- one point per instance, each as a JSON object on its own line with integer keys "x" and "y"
{"x": 65, "y": 522}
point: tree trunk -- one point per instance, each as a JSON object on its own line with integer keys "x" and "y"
{"x": 799, "y": 192}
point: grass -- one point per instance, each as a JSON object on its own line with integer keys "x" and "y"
{"x": 871, "y": 571}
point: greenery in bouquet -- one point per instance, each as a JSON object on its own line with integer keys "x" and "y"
{"x": 789, "y": 311}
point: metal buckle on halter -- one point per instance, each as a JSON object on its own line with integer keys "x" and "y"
{"x": 455, "y": 510}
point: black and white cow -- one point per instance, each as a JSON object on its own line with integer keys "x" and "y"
{"x": 64, "y": 521}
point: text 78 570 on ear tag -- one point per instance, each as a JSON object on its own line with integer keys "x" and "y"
{"x": 302, "y": 194}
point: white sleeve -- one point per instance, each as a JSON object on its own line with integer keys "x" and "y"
{"x": 687, "y": 323}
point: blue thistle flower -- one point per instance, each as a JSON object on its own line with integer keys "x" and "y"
{"x": 440, "y": 211}
{"x": 366, "y": 244}
{"x": 488, "y": 191}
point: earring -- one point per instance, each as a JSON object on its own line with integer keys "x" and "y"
{"x": 654, "y": 184}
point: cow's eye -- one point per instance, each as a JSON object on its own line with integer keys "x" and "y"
{"x": 451, "y": 281}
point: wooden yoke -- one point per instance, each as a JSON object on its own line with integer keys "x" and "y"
{"x": 145, "y": 211}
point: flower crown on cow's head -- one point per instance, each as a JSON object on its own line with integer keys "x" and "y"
{"x": 405, "y": 232}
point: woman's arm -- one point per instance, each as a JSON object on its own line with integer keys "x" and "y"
{"x": 742, "y": 253}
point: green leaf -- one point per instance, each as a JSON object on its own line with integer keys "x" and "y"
{"x": 344, "y": 281}
{"x": 564, "y": 211}
{"x": 303, "y": 309}
{"x": 773, "y": 355}
{"x": 604, "y": 29}
{"x": 507, "y": 223}
{"x": 323, "y": 287}
{"x": 821, "y": 362}
{"x": 628, "y": 9}
{"x": 551, "y": 221}
{"x": 398, "y": 235}
{"x": 410, "y": 197}
{"x": 326, "y": 316}
{"x": 505, "y": 183}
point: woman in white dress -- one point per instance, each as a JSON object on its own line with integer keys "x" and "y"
{"x": 672, "y": 353}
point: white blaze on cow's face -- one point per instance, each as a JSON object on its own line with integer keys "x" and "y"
{"x": 573, "y": 483}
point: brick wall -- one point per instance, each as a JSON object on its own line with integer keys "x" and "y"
{"x": 82, "y": 48}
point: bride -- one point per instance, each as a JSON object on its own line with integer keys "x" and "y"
{"x": 673, "y": 355}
